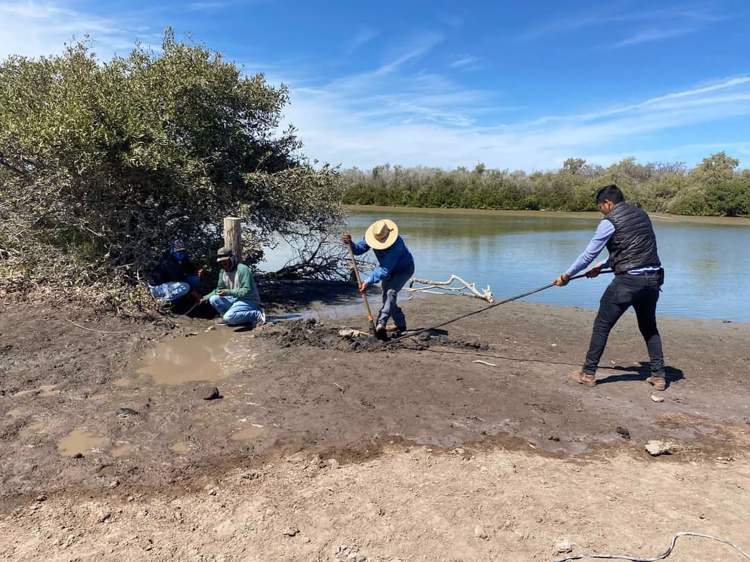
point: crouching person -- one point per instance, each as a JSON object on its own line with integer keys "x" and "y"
{"x": 396, "y": 267}
{"x": 236, "y": 297}
{"x": 175, "y": 276}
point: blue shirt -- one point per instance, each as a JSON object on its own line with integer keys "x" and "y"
{"x": 603, "y": 233}
{"x": 392, "y": 260}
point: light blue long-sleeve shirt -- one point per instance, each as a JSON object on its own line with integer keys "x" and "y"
{"x": 392, "y": 260}
{"x": 603, "y": 233}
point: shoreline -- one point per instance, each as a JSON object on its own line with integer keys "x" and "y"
{"x": 305, "y": 420}
{"x": 587, "y": 215}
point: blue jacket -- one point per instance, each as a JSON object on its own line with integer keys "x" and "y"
{"x": 392, "y": 260}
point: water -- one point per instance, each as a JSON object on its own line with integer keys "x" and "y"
{"x": 79, "y": 442}
{"x": 207, "y": 357}
{"x": 707, "y": 262}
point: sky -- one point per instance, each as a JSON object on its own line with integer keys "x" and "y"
{"x": 514, "y": 85}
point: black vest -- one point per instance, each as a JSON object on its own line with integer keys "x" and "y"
{"x": 633, "y": 245}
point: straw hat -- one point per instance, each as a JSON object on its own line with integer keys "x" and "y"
{"x": 381, "y": 234}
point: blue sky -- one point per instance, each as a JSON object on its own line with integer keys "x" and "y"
{"x": 518, "y": 85}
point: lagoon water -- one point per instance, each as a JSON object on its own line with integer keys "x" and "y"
{"x": 707, "y": 262}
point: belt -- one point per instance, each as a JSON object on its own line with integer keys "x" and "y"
{"x": 651, "y": 272}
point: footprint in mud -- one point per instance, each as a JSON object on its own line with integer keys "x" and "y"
{"x": 180, "y": 448}
{"x": 122, "y": 450}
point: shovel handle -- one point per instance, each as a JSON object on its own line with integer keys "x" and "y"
{"x": 359, "y": 284}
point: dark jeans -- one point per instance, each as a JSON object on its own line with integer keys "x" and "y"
{"x": 391, "y": 287}
{"x": 641, "y": 292}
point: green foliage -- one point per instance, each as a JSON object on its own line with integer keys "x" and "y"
{"x": 714, "y": 187}
{"x": 103, "y": 163}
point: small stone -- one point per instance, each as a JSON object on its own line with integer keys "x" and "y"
{"x": 208, "y": 392}
{"x": 114, "y": 484}
{"x": 126, "y": 412}
{"x": 212, "y": 492}
{"x": 104, "y": 516}
{"x": 656, "y": 448}
{"x": 291, "y": 531}
{"x": 41, "y": 498}
{"x": 332, "y": 464}
{"x": 554, "y": 438}
{"x": 564, "y": 546}
{"x": 131, "y": 499}
{"x": 656, "y": 398}
{"x": 624, "y": 433}
{"x": 78, "y": 456}
{"x": 480, "y": 533}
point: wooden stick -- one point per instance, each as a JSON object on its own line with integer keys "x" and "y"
{"x": 359, "y": 284}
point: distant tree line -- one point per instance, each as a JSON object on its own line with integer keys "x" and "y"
{"x": 714, "y": 187}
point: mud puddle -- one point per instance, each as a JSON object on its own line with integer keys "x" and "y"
{"x": 78, "y": 442}
{"x": 208, "y": 356}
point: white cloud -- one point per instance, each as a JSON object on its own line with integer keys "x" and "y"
{"x": 43, "y": 28}
{"x": 363, "y": 36}
{"x": 642, "y": 26}
{"x": 466, "y": 62}
{"x": 437, "y": 125}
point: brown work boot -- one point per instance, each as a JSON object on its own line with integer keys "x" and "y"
{"x": 582, "y": 378}
{"x": 659, "y": 383}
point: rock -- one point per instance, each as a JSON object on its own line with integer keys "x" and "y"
{"x": 553, "y": 438}
{"x": 623, "y": 431}
{"x": 480, "y": 533}
{"x": 114, "y": 484}
{"x": 212, "y": 492}
{"x": 103, "y": 516}
{"x": 564, "y": 546}
{"x": 126, "y": 412}
{"x": 78, "y": 456}
{"x": 332, "y": 464}
{"x": 41, "y": 498}
{"x": 290, "y": 531}
{"x": 656, "y": 398}
{"x": 208, "y": 392}
{"x": 656, "y": 448}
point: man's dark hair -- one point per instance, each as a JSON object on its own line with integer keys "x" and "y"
{"x": 609, "y": 193}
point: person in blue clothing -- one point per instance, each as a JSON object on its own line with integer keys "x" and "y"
{"x": 175, "y": 275}
{"x": 396, "y": 267}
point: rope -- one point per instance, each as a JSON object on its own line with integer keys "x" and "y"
{"x": 661, "y": 556}
{"x": 485, "y": 309}
{"x": 95, "y": 330}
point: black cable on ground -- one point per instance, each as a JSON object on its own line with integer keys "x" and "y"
{"x": 661, "y": 556}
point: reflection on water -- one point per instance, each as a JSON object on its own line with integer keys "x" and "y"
{"x": 78, "y": 442}
{"x": 707, "y": 265}
{"x": 208, "y": 356}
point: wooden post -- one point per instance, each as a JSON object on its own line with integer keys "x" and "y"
{"x": 233, "y": 235}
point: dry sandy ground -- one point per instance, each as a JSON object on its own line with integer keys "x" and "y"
{"x": 436, "y": 457}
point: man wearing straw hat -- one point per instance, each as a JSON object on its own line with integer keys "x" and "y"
{"x": 236, "y": 296}
{"x": 396, "y": 267}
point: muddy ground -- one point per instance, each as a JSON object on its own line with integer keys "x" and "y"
{"x": 319, "y": 448}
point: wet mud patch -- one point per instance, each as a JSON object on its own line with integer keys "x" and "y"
{"x": 313, "y": 333}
